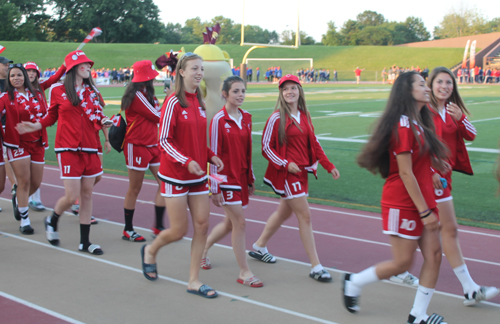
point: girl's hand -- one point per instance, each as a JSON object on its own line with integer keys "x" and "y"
{"x": 218, "y": 163}
{"x": 454, "y": 110}
{"x": 194, "y": 168}
{"x": 217, "y": 199}
{"x": 436, "y": 180}
{"x": 293, "y": 168}
{"x": 106, "y": 122}
{"x": 251, "y": 189}
{"x": 107, "y": 146}
{"x": 335, "y": 173}
{"x": 28, "y": 127}
{"x": 431, "y": 222}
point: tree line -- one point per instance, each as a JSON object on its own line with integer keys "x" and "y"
{"x": 138, "y": 21}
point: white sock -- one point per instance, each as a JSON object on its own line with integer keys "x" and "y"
{"x": 421, "y": 303}
{"x": 317, "y": 268}
{"x": 23, "y": 210}
{"x": 262, "y": 250}
{"x": 361, "y": 279}
{"x": 463, "y": 275}
{"x": 36, "y": 196}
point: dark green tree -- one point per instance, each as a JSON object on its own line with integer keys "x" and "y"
{"x": 332, "y": 37}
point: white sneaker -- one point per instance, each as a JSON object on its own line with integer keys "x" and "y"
{"x": 405, "y": 278}
{"x": 484, "y": 293}
{"x": 36, "y": 205}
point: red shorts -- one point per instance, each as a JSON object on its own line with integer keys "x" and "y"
{"x": 168, "y": 190}
{"x": 33, "y": 150}
{"x": 75, "y": 165}
{"x": 236, "y": 197}
{"x": 138, "y": 157}
{"x": 296, "y": 185}
{"x": 442, "y": 195}
{"x": 403, "y": 223}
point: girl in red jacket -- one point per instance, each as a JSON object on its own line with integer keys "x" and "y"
{"x": 26, "y": 153}
{"x": 290, "y": 145}
{"x": 76, "y": 106}
{"x": 183, "y": 171}
{"x": 231, "y": 139}
{"x": 40, "y": 86}
{"x": 402, "y": 149}
{"x": 454, "y": 127}
{"x": 140, "y": 146}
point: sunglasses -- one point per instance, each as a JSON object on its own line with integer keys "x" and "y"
{"x": 188, "y": 54}
{"x": 17, "y": 65}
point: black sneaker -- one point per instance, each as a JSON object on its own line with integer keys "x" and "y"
{"x": 350, "y": 303}
{"x": 26, "y": 230}
{"x": 52, "y": 236}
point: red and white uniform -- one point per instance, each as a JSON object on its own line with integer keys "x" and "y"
{"x": 399, "y": 214}
{"x": 231, "y": 141}
{"x": 45, "y": 84}
{"x": 141, "y": 138}
{"x": 302, "y": 147}
{"x": 453, "y": 133}
{"x": 29, "y": 107}
{"x": 182, "y": 139}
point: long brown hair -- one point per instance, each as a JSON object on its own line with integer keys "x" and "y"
{"x": 70, "y": 88}
{"x": 455, "y": 96}
{"x": 131, "y": 90}
{"x": 284, "y": 109}
{"x": 180, "y": 89}
{"x": 9, "y": 88}
{"x": 375, "y": 156}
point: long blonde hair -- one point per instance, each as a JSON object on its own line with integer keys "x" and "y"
{"x": 284, "y": 109}
{"x": 180, "y": 89}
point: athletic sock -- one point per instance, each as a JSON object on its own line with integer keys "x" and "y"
{"x": 468, "y": 285}
{"x": 159, "y": 212}
{"x": 84, "y": 235}
{"x": 317, "y": 268}
{"x": 361, "y": 279}
{"x": 129, "y": 215}
{"x": 54, "y": 219}
{"x": 262, "y": 250}
{"x": 36, "y": 196}
{"x": 23, "y": 211}
{"x": 421, "y": 303}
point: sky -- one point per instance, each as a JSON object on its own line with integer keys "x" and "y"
{"x": 281, "y": 15}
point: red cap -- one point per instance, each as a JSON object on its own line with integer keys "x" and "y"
{"x": 76, "y": 57}
{"x": 144, "y": 71}
{"x": 289, "y": 77}
{"x": 32, "y": 66}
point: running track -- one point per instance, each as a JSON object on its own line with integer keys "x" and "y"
{"x": 347, "y": 240}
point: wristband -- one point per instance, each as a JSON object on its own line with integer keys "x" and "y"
{"x": 425, "y": 211}
{"x": 106, "y": 140}
{"x": 426, "y": 215}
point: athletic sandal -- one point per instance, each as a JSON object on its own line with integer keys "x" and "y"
{"x": 267, "y": 257}
{"x": 253, "y": 282}
{"x": 156, "y": 231}
{"x": 203, "y": 291}
{"x": 133, "y": 236}
{"x": 321, "y": 276}
{"x": 52, "y": 236}
{"x": 93, "y": 220}
{"x": 484, "y": 293}
{"x": 433, "y": 319}
{"x": 205, "y": 264}
{"x": 350, "y": 303}
{"x": 17, "y": 214}
{"x": 405, "y": 279}
{"x": 92, "y": 249}
{"x": 148, "y": 268}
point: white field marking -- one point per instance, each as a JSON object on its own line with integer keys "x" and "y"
{"x": 359, "y": 136}
{"x": 485, "y": 102}
{"x": 326, "y": 104}
{"x": 324, "y": 134}
{"x": 372, "y": 115}
{"x": 180, "y": 282}
{"x": 40, "y": 308}
{"x": 468, "y": 143}
{"x": 482, "y": 120}
{"x": 151, "y": 183}
{"x": 327, "y": 111}
{"x": 342, "y": 113}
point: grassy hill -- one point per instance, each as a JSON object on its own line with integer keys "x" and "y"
{"x": 343, "y": 58}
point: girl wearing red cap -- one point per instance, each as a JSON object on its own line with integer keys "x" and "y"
{"x": 40, "y": 86}
{"x": 183, "y": 171}
{"x": 231, "y": 139}
{"x": 290, "y": 145}
{"x": 140, "y": 146}
{"x": 76, "y": 106}
{"x": 402, "y": 149}
{"x": 26, "y": 153}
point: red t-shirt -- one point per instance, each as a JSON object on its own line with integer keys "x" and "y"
{"x": 394, "y": 193}
{"x": 357, "y": 72}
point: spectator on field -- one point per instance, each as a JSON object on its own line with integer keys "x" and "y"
{"x": 384, "y": 75}
{"x": 357, "y": 72}
{"x": 257, "y": 72}
{"x": 249, "y": 74}
{"x": 335, "y": 75}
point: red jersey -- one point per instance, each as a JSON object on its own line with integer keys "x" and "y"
{"x": 277, "y": 168}
{"x": 231, "y": 141}
{"x": 76, "y": 125}
{"x": 394, "y": 193}
{"x": 183, "y": 138}
{"x": 27, "y": 107}
{"x": 357, "y": 72}
{"x": 453, "y": 133}
{"x": 142, "y": 121}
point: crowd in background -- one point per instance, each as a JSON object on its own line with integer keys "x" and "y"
{"x": 478, "y": 75}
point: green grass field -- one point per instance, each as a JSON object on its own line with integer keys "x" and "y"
{"x": 342, "y": 115}
{"x": 343, "y": 58}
